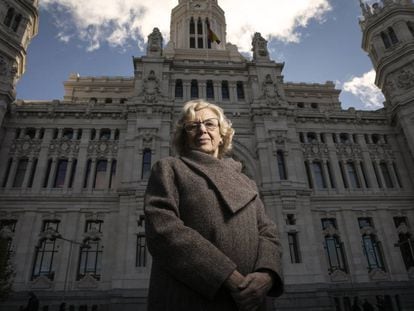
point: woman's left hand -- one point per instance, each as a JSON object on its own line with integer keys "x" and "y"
{"x": 253, "y": 291}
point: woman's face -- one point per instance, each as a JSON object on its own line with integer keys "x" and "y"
{"x": 203, "y": 133}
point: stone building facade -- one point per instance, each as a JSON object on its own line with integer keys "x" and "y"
{"x": 339, "y": 183}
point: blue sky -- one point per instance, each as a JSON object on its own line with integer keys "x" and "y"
{"x": 318, "y": 40}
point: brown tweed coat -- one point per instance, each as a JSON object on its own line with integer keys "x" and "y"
{"x": 204, "y": 219}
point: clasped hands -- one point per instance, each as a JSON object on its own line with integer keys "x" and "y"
{"x": 249, "y": 292}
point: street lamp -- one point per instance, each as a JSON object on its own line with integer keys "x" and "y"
{"x": 53, "y": 235}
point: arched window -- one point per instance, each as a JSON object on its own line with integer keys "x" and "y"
{"x": 9, "y": 17}
{"x": 225, "y": 94}
{"x": 30, "y": 132}
{"x": 334, "y": 248}
{"x": 200, "y": 39}
{"x": 194, "y": 89}
{"x": 91, "y": 251}
{"x": 67, "y": 133}
{"x": 210, "y": 89}
{"x": 240, "y": 90}
{"x": 385, "y": 40}
{"x": 61, "y": 171}
{"x": 312, "y": 138}
{"x": 104, "y": 134}
{"x": 371, "y": 246}
{"x": 192, "y": 34}
{"x": 44, "y": 264}
{"x": 392, "y": 35}
{"x": 146, "y": 163}
{"x": 16, "y": 22}
{"x": 281, "y": 165}
{"x": 178, "y": 93}
{"x": 344, "y": 138}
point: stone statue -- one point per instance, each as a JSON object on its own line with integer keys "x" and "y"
{"x": 154, "y": 46}
{"x": 259, "y": 47}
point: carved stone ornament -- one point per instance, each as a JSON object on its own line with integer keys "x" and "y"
{"x": 41, "y": 282}
{"x": 103, "y": 148}
{"x": 155, "y": 40}
{"x": 315, "y": 150}
{"x": 270, "y": 90}
{"x": 25, "y": 147}
{"x": 148, "y": 136}
{"x": 347, "y": 151}
{"x": 151, "y": 91}
{"x": 402, "y": 229}
{"x": 377, "y": 275}
{"x": 259, "y": 47}
{"x": 87, "y": 281}
{"x": 339, "y": 276}
{"x": 92, "y": 234}
{"x": 368, "y": 231}
{"x": 405, "y": 79}
{"x": 63, "y": 147}
{"x": 330, "y": 230}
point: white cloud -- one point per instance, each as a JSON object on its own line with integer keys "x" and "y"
{"x": 118, "y": 22}
{"x": 364, "y": 88}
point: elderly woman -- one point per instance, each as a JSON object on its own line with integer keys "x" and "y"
{"x": 213, "y": 246}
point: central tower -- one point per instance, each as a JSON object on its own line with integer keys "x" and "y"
{"x": 198, "y": 24}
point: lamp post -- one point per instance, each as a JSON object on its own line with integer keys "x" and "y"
{"x": 52, "y": 234}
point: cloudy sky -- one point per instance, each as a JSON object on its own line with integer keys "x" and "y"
{"x": 318, "y": 40}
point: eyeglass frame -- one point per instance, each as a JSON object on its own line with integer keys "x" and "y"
{"x": 197, "y": 124}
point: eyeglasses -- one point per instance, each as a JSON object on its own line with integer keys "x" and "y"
{"x": 210, "y": 125}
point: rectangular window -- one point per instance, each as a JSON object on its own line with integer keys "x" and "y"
{"x": 405, "y": 241}
{"x": 294, "y": 247}
{"x": 141, "y": 257}
{"x": 371, "y": 246}
{"x": 60, "y": 175}
{"x": 319, "y": 176}
{"x": 90, "y": 259}
{"x": 100, "y": 174}
{"x": 44, "y": 264}
{"x": 386, "y": 175}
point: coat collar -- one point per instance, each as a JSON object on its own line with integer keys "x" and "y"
{"x": 225, "y": 176}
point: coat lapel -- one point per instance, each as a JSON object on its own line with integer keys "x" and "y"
{"x": 225, "y": 176}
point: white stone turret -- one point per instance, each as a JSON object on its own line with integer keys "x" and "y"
{"x": 388, "y": 38}
{"x": 18, "y": 25}
{"x": 198, "y": 24}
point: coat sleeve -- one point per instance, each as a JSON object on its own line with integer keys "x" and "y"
{"x": 269, "y": 251}
{"x": 179, "y": 249}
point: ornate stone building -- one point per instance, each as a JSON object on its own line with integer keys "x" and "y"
{"x": 339, "y": 183}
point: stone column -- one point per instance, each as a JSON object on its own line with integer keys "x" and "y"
{"x": 379, "y": 173}
{"x": 360, "y": 175}
{"x": 367, "y": 162}
{"x": 345, "y": 173}
{"x": 68, "y": 173}
{"x": 202, "y": 90}
{"x": 326, "y": 174}
{"x": 28, "y": 172}
{"x": 81, "y": 161}
{"x": 392, "y": 174}
{"x": 333, "y": 159}
{"x": 12, "y": 173}
{"x": 217, "y": 91}
{"x": 43, "y": 160}
{"x": 91, "y": 177}
{"x": 52, "y": 173}
{"x": 186, "y": 90}
{"x": 108, "y": 173}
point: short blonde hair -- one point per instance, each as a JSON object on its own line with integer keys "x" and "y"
{"x": 188, "y": 113}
